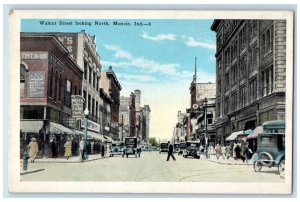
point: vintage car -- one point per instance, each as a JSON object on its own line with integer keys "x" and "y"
{"x": 130, "y": 146}
{"x": 176, "y": 148}
{"x": 271, "y": 147}
{"x": 117, "y": 149}
{"x": 163, "y": 147}
{"x": 192, "y": 149}
{"x": 182, "y": 147}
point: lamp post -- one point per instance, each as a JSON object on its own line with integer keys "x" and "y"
{"x": 86, "y": 113}
{"x": 205, "y": 117}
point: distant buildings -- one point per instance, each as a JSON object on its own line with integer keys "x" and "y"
{"x": 250, "y": 74}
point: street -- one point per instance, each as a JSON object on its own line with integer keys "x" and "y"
{"x": 151, "y": 167}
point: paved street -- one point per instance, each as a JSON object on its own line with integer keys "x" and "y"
{"x": 152, "y": 166}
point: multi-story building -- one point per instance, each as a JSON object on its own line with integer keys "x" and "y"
{"x": 49, "y": 76}
{"x": 127, "y": 116}
{"x": 200, "y": 91}
{"x": 82, "y": 48}
{"x": 112, "y": 87}
{"x": 145, "y": 123}
{"x": 179, "y": 134}
{"x": 250, "y": 74}
{"x": 138, "y": 114}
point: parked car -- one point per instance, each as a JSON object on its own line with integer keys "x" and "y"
{"x": 117, "y": 149}
{"x": 163, "y": 147}
{"x": 130, "y": 146}
{"x": 192, "y": 149}
{"x": 182, "y": 147}
{"x": 176, "y": 148}
{"x": 271, "y": 147}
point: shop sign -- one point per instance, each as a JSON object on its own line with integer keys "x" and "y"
{"x": 36, "y": 84}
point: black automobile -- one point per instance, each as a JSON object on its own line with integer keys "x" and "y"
{"x": 182, "y": 147}
{"x": 117, "y": 149}
{"x": 131, "y": 146}
{"x": 192, "y": 149}
{"x": 164, "y": 147}
{"x": 176, "y": 148}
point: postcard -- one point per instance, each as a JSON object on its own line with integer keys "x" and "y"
{"x": 150, "y": 101}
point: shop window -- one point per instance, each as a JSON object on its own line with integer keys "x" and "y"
{"x": 22, "y": 80}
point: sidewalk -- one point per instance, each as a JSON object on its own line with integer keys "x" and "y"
{"x": 74, "y": 159}
{"x": 226, "y": 161}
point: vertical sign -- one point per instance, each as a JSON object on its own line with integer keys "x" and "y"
{"x": 36, "y": 84}
{"x": 69, "y": 40}
{"x": 77, "y": 106}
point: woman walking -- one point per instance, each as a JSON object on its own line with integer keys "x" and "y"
{"x": 68, "y": 148}
{"x": 33, "y": 149}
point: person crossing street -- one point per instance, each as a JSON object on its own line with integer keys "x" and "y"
{"x": 170, "y": 151}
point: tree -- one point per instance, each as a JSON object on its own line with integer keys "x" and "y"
{"x": 153, "y": 142}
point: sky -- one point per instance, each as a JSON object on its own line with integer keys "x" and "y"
{"x": 157, "y": 58}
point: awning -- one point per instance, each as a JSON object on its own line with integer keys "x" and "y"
{"x": 58, "y": 128}
{"x": 78, "y": 132}
{"x": 257, "y": 130}
{"x": 30, "y": 126}
{"x": 248, "y": 132}
{"x": 108, "y": 139}
{"x": 95, "y": 135}
{"x": 234, "y": 135}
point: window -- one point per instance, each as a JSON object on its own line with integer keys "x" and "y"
{"x": 253, "y": 90}
{"x": 267, "y": 41}
{"x": 243, "y": 66}
{"x": 96, "y": 114}
{"x": 227, "y": 81}
{"x": 50, "y": 79}
{"x": 268, "y": 81}
{"x": 242, "y": 36}
{"x": 85, "y": 98}
{"x": 93, "y": 107}
{"x": 94, "y": 80}
{"x": 89, "y": 103}
{"x": 242, "y": 96}
{"x": 59, "y": 88}
{"x": 218, "y": 110}
{"x": 68, "y": 87}
{"x": 233, "y": 101}
{"x": 234, "y": 74}
{"x": 226, "y": 105}
{"x": 219, "y": 65}
{"x": 253, "y": 28}
{"x": 67, "y": 93}
{"x": 75, "y": 90}
{"x": 219, "y": 86}
{"x": 55, "y": 86}
{"x": 22, "y": 80}
{"x": 209, "y": 119}
{"x": 90, "y": 75}
{"x": 85, "y": 70}
{"x": 97, "y": 85}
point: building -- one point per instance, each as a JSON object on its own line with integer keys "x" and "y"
{"x": 250, "y": 74}
{"x": 179, "y": 134}
{"x": 145, "y": 123}
{"x": 138, "y": 114}
{"x": 198, "y": 92}
{"x": 111, "y": 86}
{"x": 49, "y": 76}
{"x": 82, "y": 48}
{"x": 127, "y": 116}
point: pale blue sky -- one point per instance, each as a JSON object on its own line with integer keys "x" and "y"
{"x": 157, "y": 59}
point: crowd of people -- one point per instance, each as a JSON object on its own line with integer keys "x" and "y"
{"x": 239, "y": 151}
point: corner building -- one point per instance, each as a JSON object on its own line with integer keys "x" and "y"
{"x": 250, "y": 74}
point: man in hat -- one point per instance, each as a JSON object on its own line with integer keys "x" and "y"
{"x": 33, "y": 149}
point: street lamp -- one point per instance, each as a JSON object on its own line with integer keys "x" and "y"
{"x": 205, "y": 116}
{"x": 86, "y": 113}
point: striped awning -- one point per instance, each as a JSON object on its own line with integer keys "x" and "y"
{"x": 95, "y": 135}
{"x": 108, "y": 139}
{"x": 56, "y": 128}
{"x": 257, "y": 130}
{"x": 234, "y": 135}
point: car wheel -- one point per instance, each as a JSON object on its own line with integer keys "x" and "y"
{"x": 197, "y": 157}
{"x": 257, "y": 165}
{"x": 281, "y": 168}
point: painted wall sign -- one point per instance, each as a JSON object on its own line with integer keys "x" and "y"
{"x": 36, "y": 84}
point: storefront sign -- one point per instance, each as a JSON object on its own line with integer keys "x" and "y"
{"x": 91, "y": 125}
{"x": 69, "y": 40}
{"x": 77, "y": 106}
{"x": 36, "y": 84}
{"x": 34, "y": 56}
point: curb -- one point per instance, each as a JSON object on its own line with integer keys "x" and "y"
{"x": 32, "y": 171}
{"x": 229, "y": 163}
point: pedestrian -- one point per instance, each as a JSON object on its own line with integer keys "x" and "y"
{"x": 238, "y": 151}
{"x": 246, "y": 153}
{"x": 170, "y": 151}
{"x": 223, "y": 151}
{"x": 234, "y": 153}
{"x": 228, "y": 151}
{"x": 210, "y": 150}
{"x": 218, "y": 151}
{"x": 139, "y": 151}
{"x": 107, "y": 150}
{"x": 68, "y": 148}
{"x": 54, "y": 148}
{"x": 81, "y": 148}
{"x": 33, "y": 149}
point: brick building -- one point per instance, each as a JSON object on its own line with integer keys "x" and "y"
{"x": 127, "y": 116}
{"x": 49, "y": 76}
{"x": 112, "y": 87}
{"x": 250, "y": 74}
